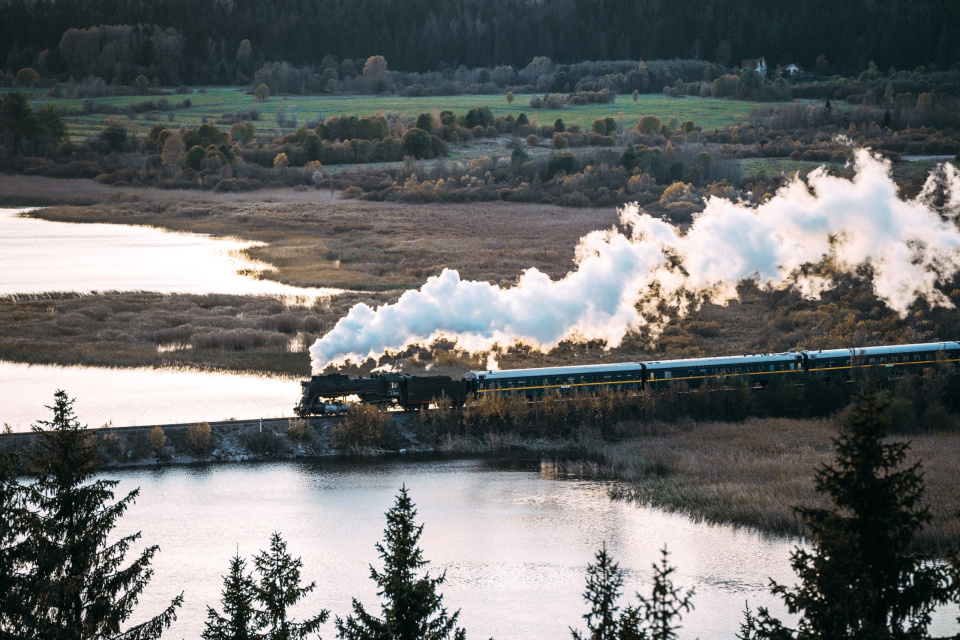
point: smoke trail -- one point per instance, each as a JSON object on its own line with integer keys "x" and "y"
{"x": 621, "y": 280}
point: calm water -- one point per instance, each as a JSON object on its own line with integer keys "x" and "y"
{"x": 514, "y": 544}
{"x": 129, "y": 397}
{"x": 38, "y": 256}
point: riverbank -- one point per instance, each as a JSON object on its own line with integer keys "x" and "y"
{"x": 751, "y": 473}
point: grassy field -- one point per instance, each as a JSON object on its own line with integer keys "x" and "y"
{"x": 213, "y": 102}
{"x": 771, "y": 167}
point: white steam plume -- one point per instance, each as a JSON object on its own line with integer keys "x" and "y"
{"x": 907, "y": 243}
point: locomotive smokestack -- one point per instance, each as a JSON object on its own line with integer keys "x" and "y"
{"x": 621, "y": 282}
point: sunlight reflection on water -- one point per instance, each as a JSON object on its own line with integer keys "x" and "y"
{"x": 131, "y": 397}
{"x": 38, "y": 256}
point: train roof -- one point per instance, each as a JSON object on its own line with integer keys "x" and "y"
{"x": 556, "y": 371}
{"x": 880, "y": 351}
{"x": 790, "y": 356}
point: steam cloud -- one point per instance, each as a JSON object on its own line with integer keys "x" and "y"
{"x": 620, "y": 280}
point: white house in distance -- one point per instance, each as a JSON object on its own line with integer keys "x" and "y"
{"x": 755, "y": 64}
{"x": 792, "y": 69}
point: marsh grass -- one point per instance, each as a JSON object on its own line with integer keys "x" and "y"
{"x": 753, "y": 473}
{"x": 156, "y": 330}
{"x": 312, "y": 240}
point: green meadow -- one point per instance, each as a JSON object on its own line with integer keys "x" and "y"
{"x": 213, "y": 102}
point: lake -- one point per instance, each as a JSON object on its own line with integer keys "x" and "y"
{"x": 132, "y": 397}
{"x": 38, "y": 256}
{"x": 513, "y": 540}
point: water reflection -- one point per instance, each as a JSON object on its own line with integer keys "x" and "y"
{"x": 129, "y": 397}
{"x": 38, "y": 256}
{"x": 514, "y": 544}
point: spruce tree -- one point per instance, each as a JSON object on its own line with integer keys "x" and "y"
{"x": 79, "y": 588}
{"x": 604, "y": 580}
{"x": 15, "y": 554}
{"x": 238, "y": 619}
{"x": 859, "y": 580}
{"x": 655, "y": 618}
{"x": 277, "y": 589}
{"x": 412, "y": 607}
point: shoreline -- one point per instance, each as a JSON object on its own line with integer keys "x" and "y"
{"x": 748, "y": 474}
{"x": 262, "y": 440}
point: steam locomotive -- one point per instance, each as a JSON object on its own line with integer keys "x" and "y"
{"x": 327, "y": 394}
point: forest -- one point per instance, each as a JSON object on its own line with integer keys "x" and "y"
{"x": 226, "y": 41}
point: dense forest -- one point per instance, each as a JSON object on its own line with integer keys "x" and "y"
{"x": 226, "y": 41}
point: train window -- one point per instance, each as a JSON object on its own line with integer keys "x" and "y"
{"x": 583, "y": 379}
{"x": 606, "y": 378}
{"x": 545, "y": 382}
{"x": 666, "y": 375}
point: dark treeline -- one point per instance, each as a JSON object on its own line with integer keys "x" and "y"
{"x": 202, "y": 41}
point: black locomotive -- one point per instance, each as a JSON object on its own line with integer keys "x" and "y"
{"x": 327, "y": 394}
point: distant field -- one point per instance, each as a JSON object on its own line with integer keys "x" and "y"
{"x": 770, "y": 167}
{"x": 214, "y": 102}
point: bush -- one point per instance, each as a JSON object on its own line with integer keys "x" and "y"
{"x": 264, "y": 443}
{"x": 297, "y": 428}
{"x": 199, "y": 439}
{"x": 157, "y": 438}
{"x": 361, "y": 428}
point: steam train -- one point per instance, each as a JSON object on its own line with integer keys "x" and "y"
{"x": 327, "y": 394}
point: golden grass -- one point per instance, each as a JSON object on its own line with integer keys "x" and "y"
{"x": 316, "y": 240}
{"x": 753, "y": 473}
{"x": 246, "y": 333}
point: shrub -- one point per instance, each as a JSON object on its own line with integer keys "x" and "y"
{"x": 297, "y": 428}
{"x": 361, "y": 428}
{"x": 264, "y": 443}
{"x": 157, "y": 438}
{"x": 649, "y": 124}
{"x": 199, "y": 439}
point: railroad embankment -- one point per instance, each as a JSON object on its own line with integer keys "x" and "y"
{"x": 204, "y": 442}
{"x": 260, "y": 440}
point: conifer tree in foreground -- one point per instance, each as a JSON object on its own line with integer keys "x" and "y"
{"x": 278, "y": 589}
{"x": 858, "y": 580}
{"x": 604, "y": 580}
{"x": 14, "y": 553}
{"x": 78, "y": 587}
{"x": 653, "y": 618}
{"x": 237, "y": 621}
{"x": 412, "y": 607}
